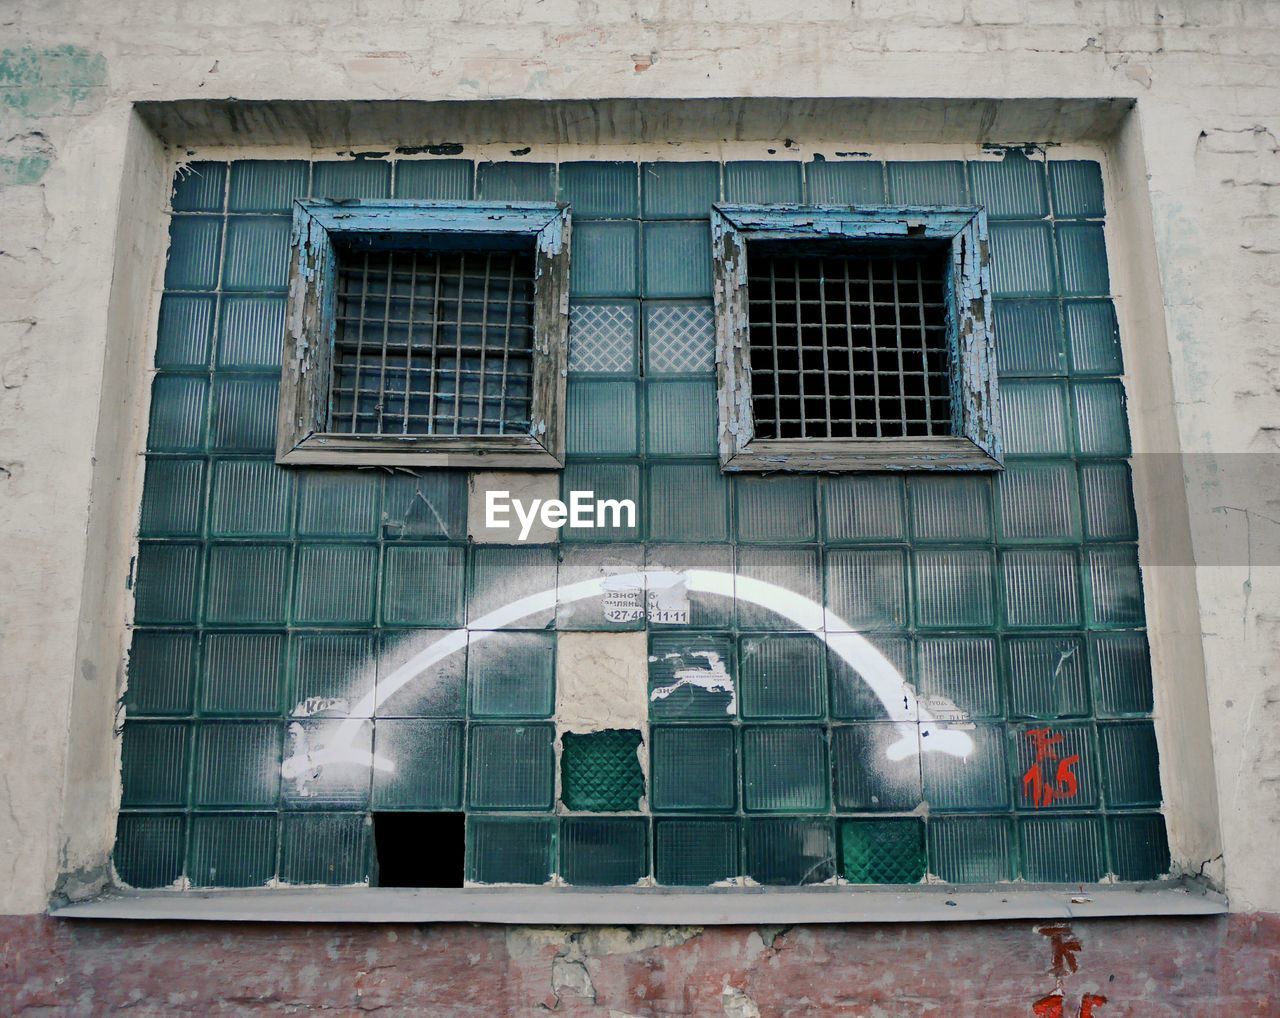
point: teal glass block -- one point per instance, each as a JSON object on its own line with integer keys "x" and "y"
{"x": 338, "y": 503}
{"x": 148, "y": 849}
{"x": 691, "y": 767}
{"x": 423, "y": 585}
{"x": 1120, "y": 664}
{"x": 863, "y": 507}
{"x": 784, "y": 769}
{"x": 335, "y": 584}
{"x": 510, "y": 850}
{"x": 757, "y": 182}
{"x": 926, "y": 183}
{"x": 199, "y": 187}
{"x": 795, "y": 570}
{"x": 427, "y": 761}
{"x": 257, "y": 256}
{"x": 600, "y": 190}
{"x": 853, "y": 183}
{"x": 677, "y": 259}
{"x": 237, "y": 764}
{"x": 511, "y": 767}
{"x": 519, "y": 182}
{"x": 167, "y": 584}
{"x": 1054, "y": 766}
{"x": 706, "y": 609}
{"x": 852, "y": 696}
{"x": 1082, "y": 253}
{"x": 332, "y": 672}
{"x": 604, "y": 851}
{"x": 172, "y": 498}
{"x": 430, "y": 505}
{"x": 251, "y": 331}
{"x": 1038, "y": 502}
{"x": 681, "y": 417}
{"x": 153, "y": 763}
{"x": 605, "y": 259}
{"x": 790, "y": 850}
{"x": 177, "y": 413}
{"x": 1035, "y": 417}
{"x": 601, "y": 418}
{"x": 617, "y": 602}
{"x": 237, "y": 850}
{"x": 679, "y": 190}
{"x": 1107, "y": 489}
{"x": 435, "y": 179}
{"x": 408, "y": 685}
{"x": 1011, "y": 188}
{"x": 867, "y": 776}
{"x": 782, "y": 676}
{"x": 971, "y": 850}
{"x": 600, "y": 771}
{"x": 1093, "y": 337}
{"x": 501, "y": 575}
{"x": 1022, "y": 259}
{"x": 1130, "y": 763}
{"x": 247, "y": 584}
{"x": 950, "y": 508}
{"x": 959, "y": 676}
{"x": 195, "y": 250}
{"x": 243, "y": 673}
{"x": 695, "y": 852}
{"x": 679, "y": 338}
{"x": 512, "y": 675}
{"x": 977, "y": 782}
{"x": 882, "y": 851}
{"x": 692, "y": 676}
{"x": 1041, "y": 588}
{"x": 1077, "y": 189}
{"x": 688, "y": 502}
{"x": 267, "y": 185}
{"x": 611, "y": 481}
{"x": 1028, "y": 337}
{"x": 1061, "y": 849}
{"x": 320, "y": 779}
{"x": 603, "y": 337}
{"x": 1048, "y": 676}
{"x": 1115, "y": 586}
{"x": 1139, "y": 846}
{"x": 324, "y": 848}
{"x": 244, "y": 413}
{"x": 162, "y": 670}
{"x": 776, "y": 509}
{"x": 184, "y": 336}
{"x": 866, "y": 589}
{"x": 1102, "y": 423}
{"x": 251, "y": 498}
{"x": 360, "y": 178}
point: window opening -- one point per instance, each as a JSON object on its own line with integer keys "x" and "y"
{"x": 419, "y": 849}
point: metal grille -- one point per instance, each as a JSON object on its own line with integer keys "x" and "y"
{"x": 848, "y": 344}
{"x": 433, "y": 343}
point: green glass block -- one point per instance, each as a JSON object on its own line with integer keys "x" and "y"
{"x": 603, "y": 337}
{"x": 782, "y": 676}
{"x": 195, "y": 249}
{"x": 321, "y": 780}
{"x": 954, "y": 588}
{"x": 510, "y": 850}
{"x": 177, "y": 413}
{"x": 172, "y": 498}
{"x": 1045, "y": 773}
{"x": 882, "y": 851}
{"x": 338, "y": 503}
{"x": 695, "y": 609}
{"x": 1038, "y": 502}
{"x": 1139, "y": 846}
{"x": 518, "y": 182}
{"x": 247, "y": 584}
{"x": 605, "y": 259}
{"x": 427, "y": 761}
{"x": 1130, "y": 763}
{"x": 501, "y": 575}
{"x": 679, "y": 190}
{"x": 695, "y": 852}
{"x": 688, "y": 502}
{"x": 692, "y": 768}
{"x": 692, "y": 676}
{"x": 511, "y": 767}
{"x": 852, "y": 697}
{"x": 756, "y": 182}
{"x": 335, "y": 584}
{"x": 604, "y": 851}
{"x": 1082, "y": 253}
{"x": 251, "y": 331}
{"x": 1048, "y": 677}
{"x": 926, "y": 183}
{"x": 432, "y": 505}
{"x": 1077, "y": 189}
{"x": 251, "y": 498}
{"x": 167, "y": 583}
{"x": 612, "y": 481}
{"x": 600, "y": 190}
{"x": 853, "y": 183}
{"x": 267, "y": 185}
{"x": 332, "y": 672}
{"x": 681, "y": 417}
{"x": 199, "y": 187}
{"x": 959, "y": 670}
{"x": 784, "y": 769}
{"x": 406, "y": 687}
{"x": 776, "y": 509}
{"x": 237, "y": 764}
{"x": 679, "y": 338}
{"x": 244, "y": 413}
{"x": 237, "y": 850}
{"x": 600, "y": 771}
{"x": 1115, "y": 586}
{"x": 866, "y": 589}
{"x": 257, "y": 255}
{"x": 512, "y": 675}
{"x": 677, "y": 259}
{"x": 618, "y": 603}
{"x": 1093, "y": 337}
{"x": 153, "y": 763}
{"x": 1022, "y": 259}
{"x": 795, "y": 571}
{"x": 790, "y": 850}
{"x": 1061, "y": 849}
{"x": 1041, "y": 587}
{"x": 185, "y": 332}
{"x": 978, "y": 781}
{"x": 242, "y": 673}
{"x": 601, "y": 418}
{"x": 148, "y": 849}
{"x": 162, "y": 669}
{"x": 1121, "y": 667}
{"x": 435, "y": 179}
{"x": 950, "y": 508}
{"x": 1028, "y": 337}
{"x": 324, "y": 848}
{"x": 867, "y": 776}
{"x": 1013, "y": 188}
{"x": 858, "y": 508}
{"x": 1101, "y": 418}
{"x": 360, "y": 178}
{"x": 1108, "y": 502}
{"x": 423, "y": 585}
{"x": 1035, "y": 417}
{"x": 971, "y": 850}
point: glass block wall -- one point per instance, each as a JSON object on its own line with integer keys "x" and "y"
{"x": 278, "y": 608}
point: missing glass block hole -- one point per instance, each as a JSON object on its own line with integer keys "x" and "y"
{"x": 419, "y": 849}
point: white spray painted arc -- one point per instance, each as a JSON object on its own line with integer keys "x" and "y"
{"x": 877, "y": 671}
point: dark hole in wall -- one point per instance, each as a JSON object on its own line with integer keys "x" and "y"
{"x": 419, "y": 849}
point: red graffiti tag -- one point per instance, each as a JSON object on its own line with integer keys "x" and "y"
{"x": 1052, "y": 1005}
{"x": 1065, "y": 946}
{"x": 1064, "y": 784}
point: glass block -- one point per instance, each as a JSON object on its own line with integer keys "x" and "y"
{"x": 600, "y": 771}
{"x": 167, "y": 583}
{"x": 863, "y": 508}
{"x": 692, "y": 768}
{"x": 247, "y": 584}
{"x": 1055, "y": 766}
{"x": 679, "y": 338}
{"x": 257, "y": 256}
{"x": 688, "y": 502}
{"x": 679, "y": 190}
{"x": 756, "y": 182}
{"x": 423, "y": 585}
{"x": 360, "y": 178}
{"x": 332, "y": 672}
{"x": 978, "y": 781}
{"x": 327, "y": 764}
{"x": 600, "y": 190}
{"x": 954, "y": 588}
{"x": 199, "y": 187}
{"x": 427, "y": 505}
{"x": 1028, "y": 337}
{"x": 1082, "y": 253}
{"x": 324, "y": 848}
{"x": 162, "y": 669}
{"x": 868, "y": 776}
{"x": 338, "y": 503}
{"x": 782, "y": 676}
{"x": 1121, "y": 668}
{"x": 335, "y": 584}
{"x": 959, "y": 677}
{"x": 251, "y": 331}
{"x": 172, "y": 498}
{"x": 242, "y": 673}
{"x": 1077, "y": 189}
{"x": 1139, "y": 846}
{"x": 695, "y": 852}
{"x": 692, "y": 676}
{"x": 795, "y": 571}
{"x": 501, "y": 575}
{"x": 1038, "y": 502}
{"x": 615, "y": 599}
{"x": 185, "y": 331}
{"x": 854, "y": 183}
{"x": 1115, "y": 586}
{"x": 519, "y": 182}
{"x": 1093, "y": 337}
{"x": 422, "y": 674}
{"x": 153, "y": 763}
{"x": 1108, "y": 502}
{"x": 601, "y": 418}
{"x": 426, "y": 759}
{"x": 784, "y": 769}
{"x": 512, "y": 675}
{"x": 681, "y": 417}
{"x": 232, "y": 850}
{"x": 435, "y": 179}
{"x": 1130, "y": 763}
{"x": 1048, "y": 676}
{"x": 776, "y": 509}
{"x": 267, "y": 185}
{"x": 244, "y": 413}
{"x": 148, "y": 849}
{"x": 511, "y": 766}
{"x": 677, "y": 259}
{"x": 177, "y": 413}
{"x": 866, "y": 589}
{"x": 605, "y": 259}
{"x": 859, "y": 691}
{"x": 790, "y": 850}
{"x": 604, "y": 851}
{"x": 1013, "y": 188}
{"x": 1022, "y": 259}
{"x": 613, "y": 481}
{"x": 1061, "y": 850}
{"x": 237, "y": 764}
{"x": 971, "y": 850}
{"x": 195, "y": 247}
{"x": 603, "y": 337}
{"x": 950, "y": 508}
{"x": 1035, "y": 417}
{"x": 251, "y": 498}
{"x": 1041, "y": 587}
{"x": 510, "y": 850}
{"x": 696, "y": 609}
{"x": 926, "y": 183}
{"x": 882, "y": 851}
{"x": 1101, "y": 418}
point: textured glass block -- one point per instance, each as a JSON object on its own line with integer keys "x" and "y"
{"x": 360, "y": 178}
{"x": 679, "y": 190}
{"x": 616, "y": 599}
{"x": 1035, "y": 417}
{"x": 247, "y": 584}
{"x": 327, "y": 764}
{"x": 335, "y": 584}
{"x": 1082, "y": 253}
{"x": 692, "y": 768}
{"x": 1130, "y": 763}
{"x": 696, "y": 609}
{"x": 1121, "y": 667}
{"x": 167, "y": 583}
{"x": 612, "y": 481}
{"x": 148, "y": 849}
{"x": 332, "y": 672}
{"x": 863, "y": 508}
{"x": 600, "y": 771}
{"x": 244, "y": 414}
{"x": 512, "y": 675}
{"x": 790, "y": 850}
{"x": 605, "y": 259}
{"x": 251, "y": 331}
{"x": 417, "y": 678}
{"x": 251, "y": 498}
{"x": 435, "y": 179}
{"x": 1038, "y": 502}
{"x": 867, "y": 776}
{"x": 425, "y": 505}
{"x": 784, "y": 769}
{"x": 185, "y": 331}
{"x": 959, "y": 677}
{"x": 971, "y": 850}
{"x": 1101, "y": 418}
{"x": 338, "y": 503}
{"x": 677, "y": 259}
{"x": 866, "y": 589}
{"x": 423, "y": 585}
{"x": 1048, "y": 677}
{"x": 257, "y": 255}
{"x": 177, "y": 413}
{"x": 267, "y": 185}
{"x": 882, "y": 851}
{"x": 852, "y": 694}
{"x": 1139, "y": 846}
{"x": 510, "y": 850}
{"x": 688, "y": 502}
{"x": 195, "y": 247}
{"x": 1093, "y": 337}
{"x": 978, "y": 781}
{"x": 953, "y": 588}
{"x": 1041, "y": 587}
{"x": 679, "y": 338}
{"x": 1028, "y": 337}
{"x": 1108, "y": 502}
{"x": 853, "y": 183}
{"x": 162, "y": 669}
{"x": 199, "y": 187}
{"x": 795, "y": 571}
{"x": 1115, "y": 586}
{"x": 926, "y": 183}
{"x": 1022, "y": 259}
{"x": 1054, "y": 766}
{"x": 604, "y": 851}
{"x": 242, "y": 673}
{"x": 681, "y": 417}
{"x": 232, "y": 851}
{"x": 324, "y": 848}
{"x": 950, "y": 508}
{"x": 511, "y": 767}
{"x": 501, "y": 575}
{"x": 782, "y": 676}
{"x": 1077, "y": 189}
{"x": 1061, "y": 850}
{"x": 601, "y": 418}
{"x": 153, "y": 763}
{"x": 1013, "y": 188}
{"x": 427, "y": 761}
{"x": 602, "y": 337}
{"x": 518, "y": 182}
{"x": 692, "y": 676}
{"x": 600, "y": 190}
{"x": 695, "y": 853}
{"x": 754, "y": 182}
{"x": 172, "y": 498}
{"x": 776, "y": 509}
{"x": 237, "y": 763}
